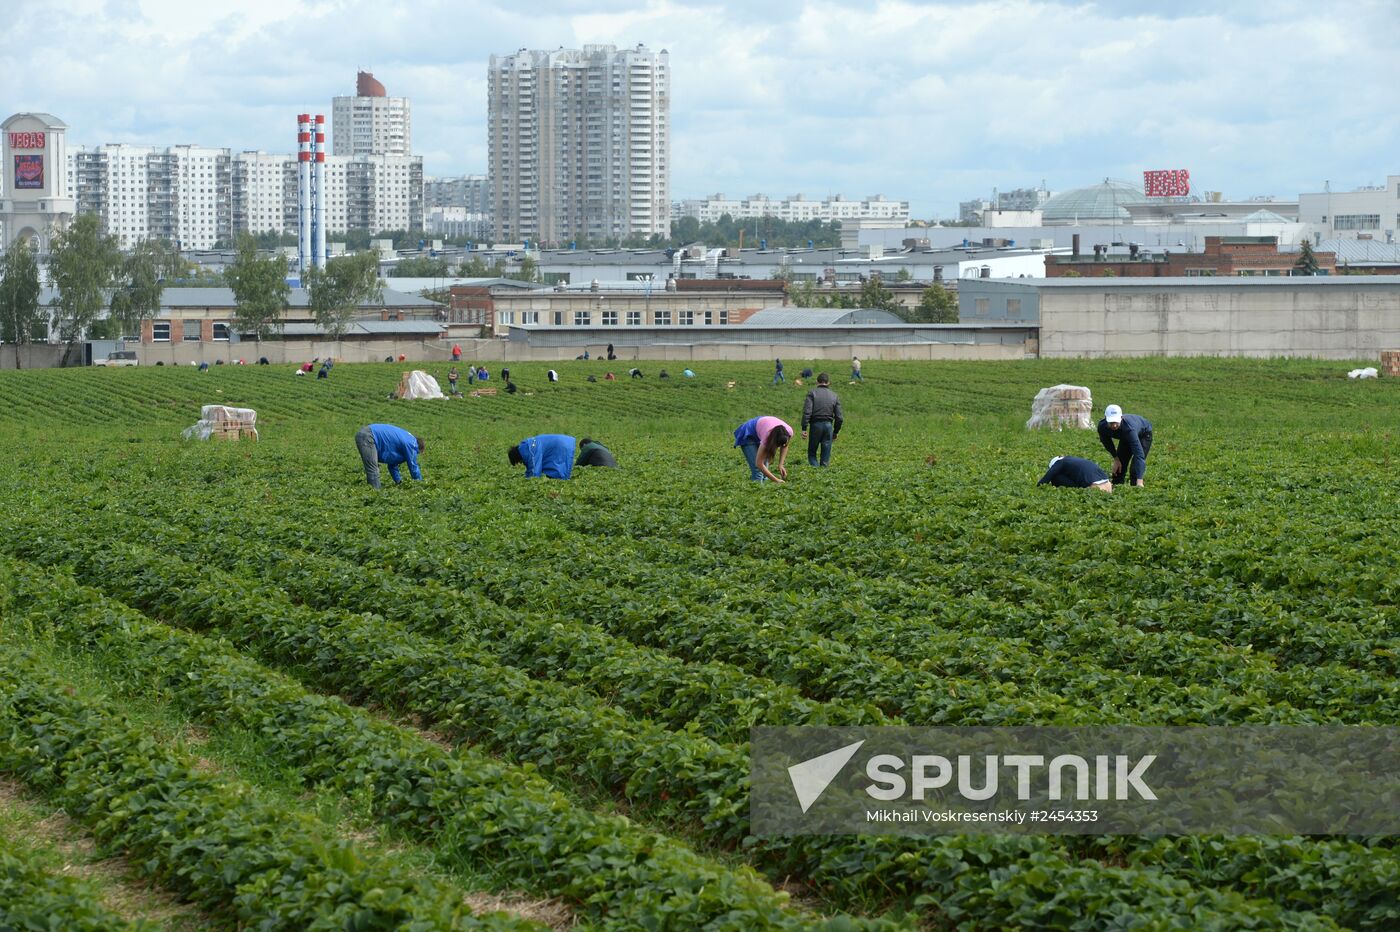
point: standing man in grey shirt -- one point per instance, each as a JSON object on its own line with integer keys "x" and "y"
{"x": 821, "y": 412}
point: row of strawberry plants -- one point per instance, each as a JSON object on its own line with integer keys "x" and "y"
{"x": 1256, "y": 691}
{"x": 33, "y": 899}
{"x": 716, "y": 699}
{"x": 902, "y": 868}
{"x": 495, "y": 817}
{"x": 201, "y": 837}
{"x": 1303, "y": 623}
{"x": 897, "y": 577}
{"x": 1249, "y": 690}
{"x": 1351, "y": 868}
{"x": 823, "y": 669}
{"x": 1237, "y": 679}
{"x": 1018, "y": 682}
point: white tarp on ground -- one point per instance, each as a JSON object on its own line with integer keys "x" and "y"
{"x": 1368, "y": 373}
{"x": 418, "y": 384}
{"x": 1062, "y": 406}
{"x": 216, "y": 418}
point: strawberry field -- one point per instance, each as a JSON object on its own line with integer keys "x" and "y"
{"x": 264, "y": 695}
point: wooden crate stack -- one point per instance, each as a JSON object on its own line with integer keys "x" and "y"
{"x": 231, "y": 423}
{"x": 1062, "y": 406}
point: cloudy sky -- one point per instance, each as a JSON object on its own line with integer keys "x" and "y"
{"x": 931, "y": 102}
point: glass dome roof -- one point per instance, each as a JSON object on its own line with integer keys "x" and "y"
{"x": 1098, "y": 202}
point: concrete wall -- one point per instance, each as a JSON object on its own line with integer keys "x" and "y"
{"x": 292, "y": 351}
{"x": 1327, "y": 323}
{"x": 37, "y": 355}
{"x": 758, "y": 352}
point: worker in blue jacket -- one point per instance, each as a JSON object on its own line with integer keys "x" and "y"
{"x": 391, "y": 446}
{"x": 1132, "y": 435}
{"x": 548, "y": 455}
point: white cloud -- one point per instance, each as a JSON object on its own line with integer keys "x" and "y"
{"x": 933, "y": 102}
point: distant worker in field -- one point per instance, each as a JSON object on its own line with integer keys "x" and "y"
{"x": 762, "y": 439}
{"x": 806, "y": 373}
{"x": 821, "y": 414}
{"x": 1075, "y": 472}
{"x": 456, "y": 352}
{"x": 635, "y": 373}
{"x": 452, "y": 376}
{"x": 387, "y": 445}
{"x": 552, "y": 376}
{"x": 855, "y": 369}
{"x": 688, "y": 373}
{"x": 1128, "y": 439}
{"x": 778, "y": 372}
{"x": 548, "y": 455}
{"x": 593, "y": 453}
{"x": 611, "y": 354}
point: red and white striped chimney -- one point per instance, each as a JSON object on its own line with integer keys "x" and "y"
{"x": 319, "y": 147}
{"x": 304, "y": 257}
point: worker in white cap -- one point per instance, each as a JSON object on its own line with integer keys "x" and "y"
{"x": 1128, "y": 439}
{"x": 1075, "y": 472}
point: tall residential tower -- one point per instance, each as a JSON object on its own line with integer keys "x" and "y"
{"x": 580, "y": 143}
{"x": 371, "y": 122}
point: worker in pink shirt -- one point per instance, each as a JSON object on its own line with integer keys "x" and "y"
{"x": 761, "y": 439}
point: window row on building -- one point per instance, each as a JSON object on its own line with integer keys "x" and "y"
{"x": 796, "y": 209}
{"x": 638, "y": 318}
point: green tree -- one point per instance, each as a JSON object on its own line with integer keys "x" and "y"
{"x": 260, "y": 289}
{"x": 20, "y": 313}
{"x": 269, "y": 239}
{"x": 337, "y": 291}
{"x": 904, "y": 275}
{"x": 140, "y": 282}
{"x": 84, "y": 264}
{"x": 874, "y": 294}
{"x": 529, "y": 271}
{"x": 421, "y": 267}
{"x": 476, "y": 267}
{"x": 1307, "y": 261}
{"x": 937, "y": 305}
{"x": 725, "y": 231}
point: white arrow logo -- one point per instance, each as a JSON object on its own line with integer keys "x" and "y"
{"x": 811, "y": 777}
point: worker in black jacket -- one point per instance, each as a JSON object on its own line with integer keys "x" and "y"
{"x": 821, "y": 412}
{"x": 593, "y": 453}
{"x": 1132, "y": 434}
{"x": 1075, "y": 472}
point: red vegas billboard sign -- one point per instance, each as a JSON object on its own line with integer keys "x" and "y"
{"x": 33, "y": 140}
{"x": 1171, "y": 182}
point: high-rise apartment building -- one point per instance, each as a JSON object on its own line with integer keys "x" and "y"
{"x": 580, "y": 143}
{"x": 183, "y": 194}
{"x": 469, "y": 192}
{"x": 371, "y": 122}
{"x": 197, "y": 197}
{"x": 264, "y": 193}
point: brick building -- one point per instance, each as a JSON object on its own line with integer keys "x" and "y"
{"x": 1222, "y": 256}
{"x": 691, "y": 302}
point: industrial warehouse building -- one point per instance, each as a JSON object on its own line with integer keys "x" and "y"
{"x": 1332, "y": 317}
